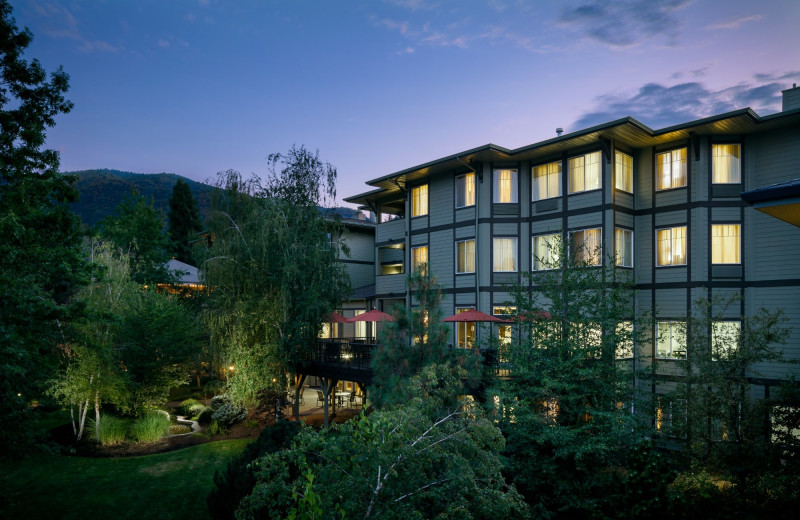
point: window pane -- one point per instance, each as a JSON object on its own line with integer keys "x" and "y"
{"x": 419, "y": 258}
{"x": 505, "y": 186}
{"x": 419, "y": 201}
{"x": 623, "y": 244}
{"x": 465, "y": 190}
{"x": 465, "y": 331}
{"x": 505, "y": 254}
{"x": 465, "y": 256}
{"x": 671, "y": 246}
{"x": 726, "y": 164}
{"x": 725, "y": 244}
{"x": 576, "y": 175}
{"x": 679, "y": 168}
{"x": 671, "y": 169}
{"x": 593, "y": 167}
{"x": 547, "y": 181}
{"x": 724, "y": 338}
{"x": 623, "y": 172}
{"x": 624, "y": 333}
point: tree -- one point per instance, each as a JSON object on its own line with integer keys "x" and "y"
{"x": 426, "y": 458}
{"x": 137, "y": 228}
{"x": 184, "y": 222}
{"x": 417, "y": 338}
{"x": 567, "y": 409}
{"x": 274, "y": 270}
{"x": 40, "y": 258}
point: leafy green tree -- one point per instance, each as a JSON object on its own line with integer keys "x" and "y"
{"x": 274, "y": 270}
{"x": 567, "y": 408}
{"x": 417, "y": 338}
{"x": 184, "y": 222}
{"x": 137, "y": 228}
{"x": 423, "y": 459}
{"x": 40, "y": 258}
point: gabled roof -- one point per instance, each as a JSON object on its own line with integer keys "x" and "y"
{"x": 626, "y": 131}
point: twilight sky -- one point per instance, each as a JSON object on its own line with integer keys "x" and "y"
{"x": 198, "y": 86}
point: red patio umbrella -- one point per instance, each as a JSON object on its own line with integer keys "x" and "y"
{"x": 373, "y": 315}
{"x": 335, "y": 317}
{"x": 474, "y": 315}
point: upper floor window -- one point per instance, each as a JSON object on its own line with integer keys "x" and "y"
{"x": 546, "y": 252}
{"x": 623, "y": 247}
{"x": 671, "y": 169}
{"x": 624, "y": 340}
{"x": 671, "y": 246}
{"x": 586, "y": 246}
{"x": 671, "y": 339}
{"x": 465, "y": 190}
{"x": 726, "y": 164}
{"x": 725, "y": 338}
{"x": 505, "y": 255}
{"x": 419, "y": 258}
{"x": 585, "y": 172}
{"x": 465, "y": 256}
{"x": 505, "y": 186}
{"x": 419, "y": 201}
{"x": 725, "y": 244}
{"x": 623, "y": 171}
{"x": 547, "y": 181}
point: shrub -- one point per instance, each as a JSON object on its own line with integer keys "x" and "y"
{"x": 204, "y": 417}
{"x": 150, "y": 427}
{"x": 213, "y": 387}
{"x": 112, "y": 430}
{"x": 229, "y": 414}
{"x": 215, "y": 428}
{"x": 237, "y": 480}
{"x": 190, "y": 408}
{"x": 219, "y": 400}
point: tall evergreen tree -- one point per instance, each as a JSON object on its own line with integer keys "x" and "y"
{"x": 184, "y": 222}
{"x": 40, "y": 258}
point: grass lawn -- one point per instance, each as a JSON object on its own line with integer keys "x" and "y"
{"x": 171, "y": 485}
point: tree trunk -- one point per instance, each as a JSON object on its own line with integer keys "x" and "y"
{"x": 82, "y": 418}
{"x": 72, "y": 417}
{"x": 97, "y": 415}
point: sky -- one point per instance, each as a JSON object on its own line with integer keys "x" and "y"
{"x": 195, "y": 87}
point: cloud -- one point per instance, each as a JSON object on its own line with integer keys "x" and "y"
{"x": 392, "y": 25}
{"x": 414, "y": 5}
{"x": 163, "y": 43}
{"x": 407, "y": 50}
{"x": 659, "y": 106}
{"x": 734, "y": 23}
{"x": 625, "y": 23}
{"x": 60, "y": 23}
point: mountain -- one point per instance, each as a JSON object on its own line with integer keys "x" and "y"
{"x": 102, "y": 190}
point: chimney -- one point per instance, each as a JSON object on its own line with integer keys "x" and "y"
{"x": 560, "y": 131}
{"x": 791, "y": 98}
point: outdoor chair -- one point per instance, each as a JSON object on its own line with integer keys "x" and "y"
{"x": 320, "y": 398}
{"x": 353, "y": 402}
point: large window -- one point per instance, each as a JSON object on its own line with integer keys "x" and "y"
{"x": 623, "y": 247}
{"x": 585, "y": 172}
{"x": 547, "y": 181}
{"x": 465, "y": 256}
{"x": 726, "y": 164}
{"x": 623, "y": 172}
{"x": 725, "y": 244}
{"x": 419, "y": 258}
{"x": 504, "y": 330}
{"x": 671, "y": 246}
{"x": 586, "y": 246}
{"x": 465, "y": 330}
{"x": 725, "y": 338}
{"x": 465, "y": 190}
{"x": 361, "y": 326}
{"x": 505, "y": 186}
{"x": 546, "y": 252}
{"x": 671, "y": 339}
{"x": 671, "y": 169}
{"x": 505, "y": 255}
{"x": 624, "y": 337}
{"x": 419, "y": 201}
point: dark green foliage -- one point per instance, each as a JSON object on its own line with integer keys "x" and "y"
{"x": 184, "y": 222}
{"x": 150, "y": 427}
{"x": 205, "y": 416}
{"x": 40, "y": 260}
{"x": 229, "y": 414}
{"x": 137, "y": 228}
{"x": 237, "y": 481}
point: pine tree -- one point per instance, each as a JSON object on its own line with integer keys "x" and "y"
{"x": 184, "y": 222}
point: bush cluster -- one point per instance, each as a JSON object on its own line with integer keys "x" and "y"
{"x": 113, "y": 430}
{"x": 190, "y": 408}
{"x": 150, "y": 427}
{"x": 229, "y": 414}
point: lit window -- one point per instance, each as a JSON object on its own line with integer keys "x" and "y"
{"x": 505, "y": 186}
{"x": 671, "y": 169}
{"x": 546, "y": 252}
{"x": 671, "y": 339}
{"x": 623, "y": 172}
{"x": 465, "y": 330}
{"x": 547, "y": 181}
{"x": 419, "y": 259}
{"x": 724, "y": 339}
{"x": 585, "y": 172}
{"x": 391, "y": 259}
{"x": 624, "y": 338}
{"x": 726, "y": 165}
{"x": 504, "y": 312}
{"x": 725, "y": 244}
{"x": 465, "y": 190}
{"x": 623, "y": 247}
{"x": 587, "y": 335}
{"x": 465, "y": 256}
{"x": 361, "y": 326}
{"x": 505, "y": 255}
{"x": 671, "y": 246}
{"x": 586, "y": 246}
{"x": 419, "y": 201}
